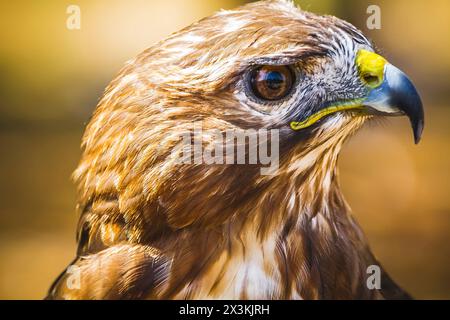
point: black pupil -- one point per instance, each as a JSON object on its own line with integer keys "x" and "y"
{"x": 274, "y": 80}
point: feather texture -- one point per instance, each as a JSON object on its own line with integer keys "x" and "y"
{"x": 151, "y": 228}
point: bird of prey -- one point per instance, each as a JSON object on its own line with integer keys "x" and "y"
{"x": 154, "y": 228}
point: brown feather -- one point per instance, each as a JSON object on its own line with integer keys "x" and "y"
{"x": 161, "y": 230}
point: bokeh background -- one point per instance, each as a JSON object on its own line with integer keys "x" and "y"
{"x": 52, "y": 77}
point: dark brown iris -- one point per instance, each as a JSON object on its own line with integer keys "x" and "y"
{"x": 272, "y": 82}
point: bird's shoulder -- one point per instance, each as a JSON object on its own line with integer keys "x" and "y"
{"x": 119, "y": 272}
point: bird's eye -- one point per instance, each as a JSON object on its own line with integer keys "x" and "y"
{"x": 272, "y": 82}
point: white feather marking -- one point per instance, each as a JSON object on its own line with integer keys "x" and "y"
{"x": 192, "y": 38}
{"x": 234, "y": 24}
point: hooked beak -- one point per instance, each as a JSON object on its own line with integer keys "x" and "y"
{"x": 390, "y": 93}
{"x": 397, "y": 96}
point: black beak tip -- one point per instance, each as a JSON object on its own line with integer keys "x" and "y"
{"x": 418, "y": 130}
{"x": 417, "y": 118}
{"x": 413, "y": 107}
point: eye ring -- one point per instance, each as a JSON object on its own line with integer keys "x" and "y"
{"x": 272, "y": 82}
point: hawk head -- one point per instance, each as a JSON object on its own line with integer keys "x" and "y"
{"x": 266, "y": 65}
{"x": 159, "y": 228}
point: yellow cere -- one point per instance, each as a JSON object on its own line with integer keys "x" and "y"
{"x": 371, "y": 67}
{"x": 371, "y": 70}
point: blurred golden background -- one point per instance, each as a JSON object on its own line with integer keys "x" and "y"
{"x": 52, "y": 77}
